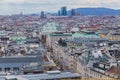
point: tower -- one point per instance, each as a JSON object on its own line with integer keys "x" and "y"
{"x": 64, "y": 11}
{"x": 73, "y": 12}
{"x": 21, "y": 14}
{"x": 42, "y": 15}
{"x": 59, "y": 14}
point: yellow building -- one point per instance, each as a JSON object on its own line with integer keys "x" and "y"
{"x": 114, "y": 37}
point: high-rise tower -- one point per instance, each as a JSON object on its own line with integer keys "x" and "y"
{"x": 73, "y": 13}
{"x": 59, "y": 13}
{"x": 64, "y": 11}
{"x": 42, "y": 15}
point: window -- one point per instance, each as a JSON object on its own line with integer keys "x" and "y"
{"x": 16, "y": 69}
{"x": 0, "y": 69}
{"x": 101, "y": 65}
{"x": 7, "y": 69}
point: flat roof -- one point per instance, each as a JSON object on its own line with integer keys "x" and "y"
{"x": 51, "y": 76}
{"x": 45, "y": 76}
{"x": 86, "y": 35}
{"x": 15, "y": 77}
{"x": 60, "y": 34}
{"x": 20, "y": 59}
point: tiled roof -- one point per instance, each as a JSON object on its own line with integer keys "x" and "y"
{"x": 115, "y": 71}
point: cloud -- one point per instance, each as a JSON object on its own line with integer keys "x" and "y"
{"x": 64, "y": 2}
{"x": 29, "y": 6}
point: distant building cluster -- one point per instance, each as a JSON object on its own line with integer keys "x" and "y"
{"x": 65, "y": 45}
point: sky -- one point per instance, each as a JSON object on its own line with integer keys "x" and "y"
{"x": 35, "y": 6}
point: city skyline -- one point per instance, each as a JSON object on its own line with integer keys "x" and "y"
{"x": 35, "y": 6}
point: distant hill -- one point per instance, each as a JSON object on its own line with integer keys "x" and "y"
{"x": 97, "y": 11}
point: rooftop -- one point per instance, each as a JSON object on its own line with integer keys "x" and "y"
{"x": 51, "y": 76}
{"x": 115, "y": 71}
{"x": 51, "y": 27}
{"x": 61, "y": 34}
{"x": 21, "y": 59}
{"x": 85, "y": 35}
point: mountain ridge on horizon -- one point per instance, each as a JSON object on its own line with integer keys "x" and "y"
{"x": 97, "y": 11}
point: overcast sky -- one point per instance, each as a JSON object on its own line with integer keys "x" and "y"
{"x": 35, "y": 6}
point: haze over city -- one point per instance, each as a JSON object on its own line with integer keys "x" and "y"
{"x": 59, "y": 40}
{"x": 35, "y": 6}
